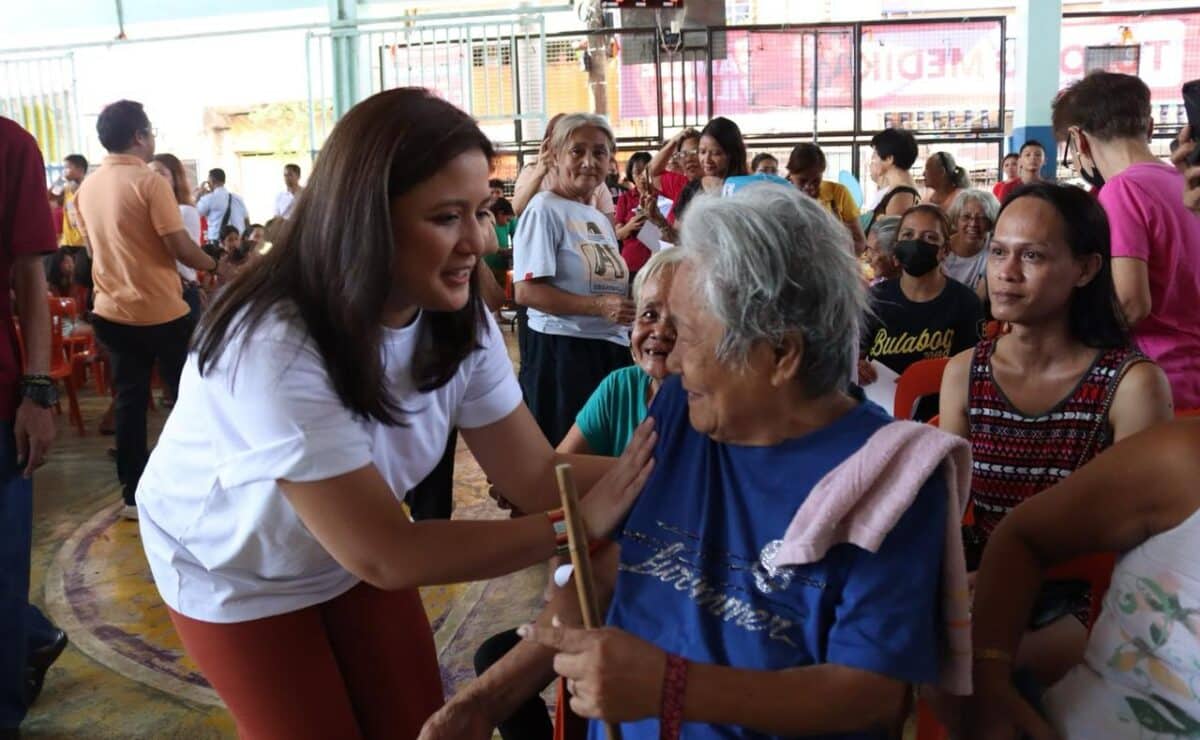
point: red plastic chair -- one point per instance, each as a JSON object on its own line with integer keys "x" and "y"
{"x": 81, "y": 350}
{"x": 922, "y": 378}
{"x": 61, "y": 368}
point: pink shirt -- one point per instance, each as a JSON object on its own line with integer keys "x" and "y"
{"x": 1150, "y": 223}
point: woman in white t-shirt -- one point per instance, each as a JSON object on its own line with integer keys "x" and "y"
{"x": 569, "y": 273}
{"x": 539, "y": 176}
{"x": 169, "y": 166}
{"x": 320, "y": 389}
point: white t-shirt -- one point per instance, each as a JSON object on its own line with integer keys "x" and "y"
{"x": 576, "y": 247}
{"x": 191, "y": 224}
{"x": 223, "y": 542}
{"x": 283, "y": 204}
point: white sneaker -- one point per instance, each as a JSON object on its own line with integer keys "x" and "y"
{"x": 130, "y": 512}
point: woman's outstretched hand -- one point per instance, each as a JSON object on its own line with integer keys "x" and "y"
{"x": 609, "y": 500}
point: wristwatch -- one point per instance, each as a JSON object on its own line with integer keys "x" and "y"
{"x": 40, "y": 389}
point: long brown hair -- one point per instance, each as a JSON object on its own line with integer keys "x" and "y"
{"x": 179, "y": 181}
{"x": 332, "y": 264}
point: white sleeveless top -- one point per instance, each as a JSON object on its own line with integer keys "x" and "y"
{"x": 1141, "y": 672}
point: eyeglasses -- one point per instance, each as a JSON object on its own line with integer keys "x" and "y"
{"x": 152, "y": 131}
{"x": 685, "y": 153}
{"x": 1066, "y": 160}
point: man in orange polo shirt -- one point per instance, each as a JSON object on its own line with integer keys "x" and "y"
{"x": 131, "y": 219}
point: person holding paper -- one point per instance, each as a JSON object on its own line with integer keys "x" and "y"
{"x": 630, "y": 217}
{"x": 922, "y": 314}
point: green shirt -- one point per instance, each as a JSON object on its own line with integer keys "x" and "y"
{"x": 614, "y": 411}
{"x": 504, "y": 239}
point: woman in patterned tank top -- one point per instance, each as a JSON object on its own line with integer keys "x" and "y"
{"x": 1063, "y": 385}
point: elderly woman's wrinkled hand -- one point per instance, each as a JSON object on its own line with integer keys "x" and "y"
{"x": 611, "y": 675}
{"x": 617, "y": 309}
{"x": 609, "y": 500}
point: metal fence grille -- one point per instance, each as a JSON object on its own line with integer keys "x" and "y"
{"x": 493, "y": 70}
{"x": 39, "y": 94}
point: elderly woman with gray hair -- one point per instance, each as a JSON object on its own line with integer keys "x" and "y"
{"x": 973, "y": 214}
{"x": 704, "y": 625}
{"x": 568, "y": 271}
{"x": 880, "y": 254}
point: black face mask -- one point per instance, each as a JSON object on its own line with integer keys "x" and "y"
{"x": 1093, "y": 178}
{"x": 917, "y": 256}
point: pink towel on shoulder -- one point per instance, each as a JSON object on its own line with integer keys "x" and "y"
{"x": 861, "y": 500}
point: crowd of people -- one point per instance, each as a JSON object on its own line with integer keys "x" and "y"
{"x": 698, "y": 333}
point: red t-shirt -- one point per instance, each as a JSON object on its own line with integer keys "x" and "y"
{"x": 1002, "y": 189}
{"x": 672, "y": 184}
{"x": 26, "y": 228}
{"x": 635, "y": 253}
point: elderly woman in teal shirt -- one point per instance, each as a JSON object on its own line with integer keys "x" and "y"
{"x": 606, "y": 423}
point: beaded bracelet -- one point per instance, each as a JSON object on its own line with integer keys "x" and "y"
{"x": 674, "y": 688}
{"x": 558, "y": 520}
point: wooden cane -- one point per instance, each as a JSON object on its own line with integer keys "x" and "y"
{"x": 581, "y": 560}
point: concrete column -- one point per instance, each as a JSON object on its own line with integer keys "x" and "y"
{"x": 343, "y": 18}
{"x": 1038, "y": 38}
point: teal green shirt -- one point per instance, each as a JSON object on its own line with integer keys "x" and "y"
{"x": 504, "y": 239}
{"x": 614, "y": 411}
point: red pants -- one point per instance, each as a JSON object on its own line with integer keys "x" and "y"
{"x": 362, "y": 665}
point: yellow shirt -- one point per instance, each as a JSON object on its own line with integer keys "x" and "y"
{"x": 125, "y": 210}
{"x": 72, "y": 236}
{"x": 836, "y": 199}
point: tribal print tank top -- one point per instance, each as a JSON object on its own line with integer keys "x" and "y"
{"x": 1015, "y": 456}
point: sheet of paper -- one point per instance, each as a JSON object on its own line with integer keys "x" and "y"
{"x": 664, "y": 205}
{"x": 651, "y": 236}
{"x": 883, "y": 390}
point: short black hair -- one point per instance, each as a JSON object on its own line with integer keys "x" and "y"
{"x": 292, "y": 168}
{"x": 502, "y": 207}
{"x": 77, "y": 160}
{"x": 1011, "y": 155}
{"x": 1106, "y": 105}
{"x": 496, "y": 182}
{"x": 119, "y": 123}
{"x": 216, "y": 174}
{"x": 1031, "y": 142}
{"x": 898, "y": 144}
{"x": 228, "y": 229}
{"x": 250, "y": 230}
{"x": 634, "y": 159}
{"x": 1094, "y": 316}
{"x": 758, "y": 159}
{"x": 805, "y": 157}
